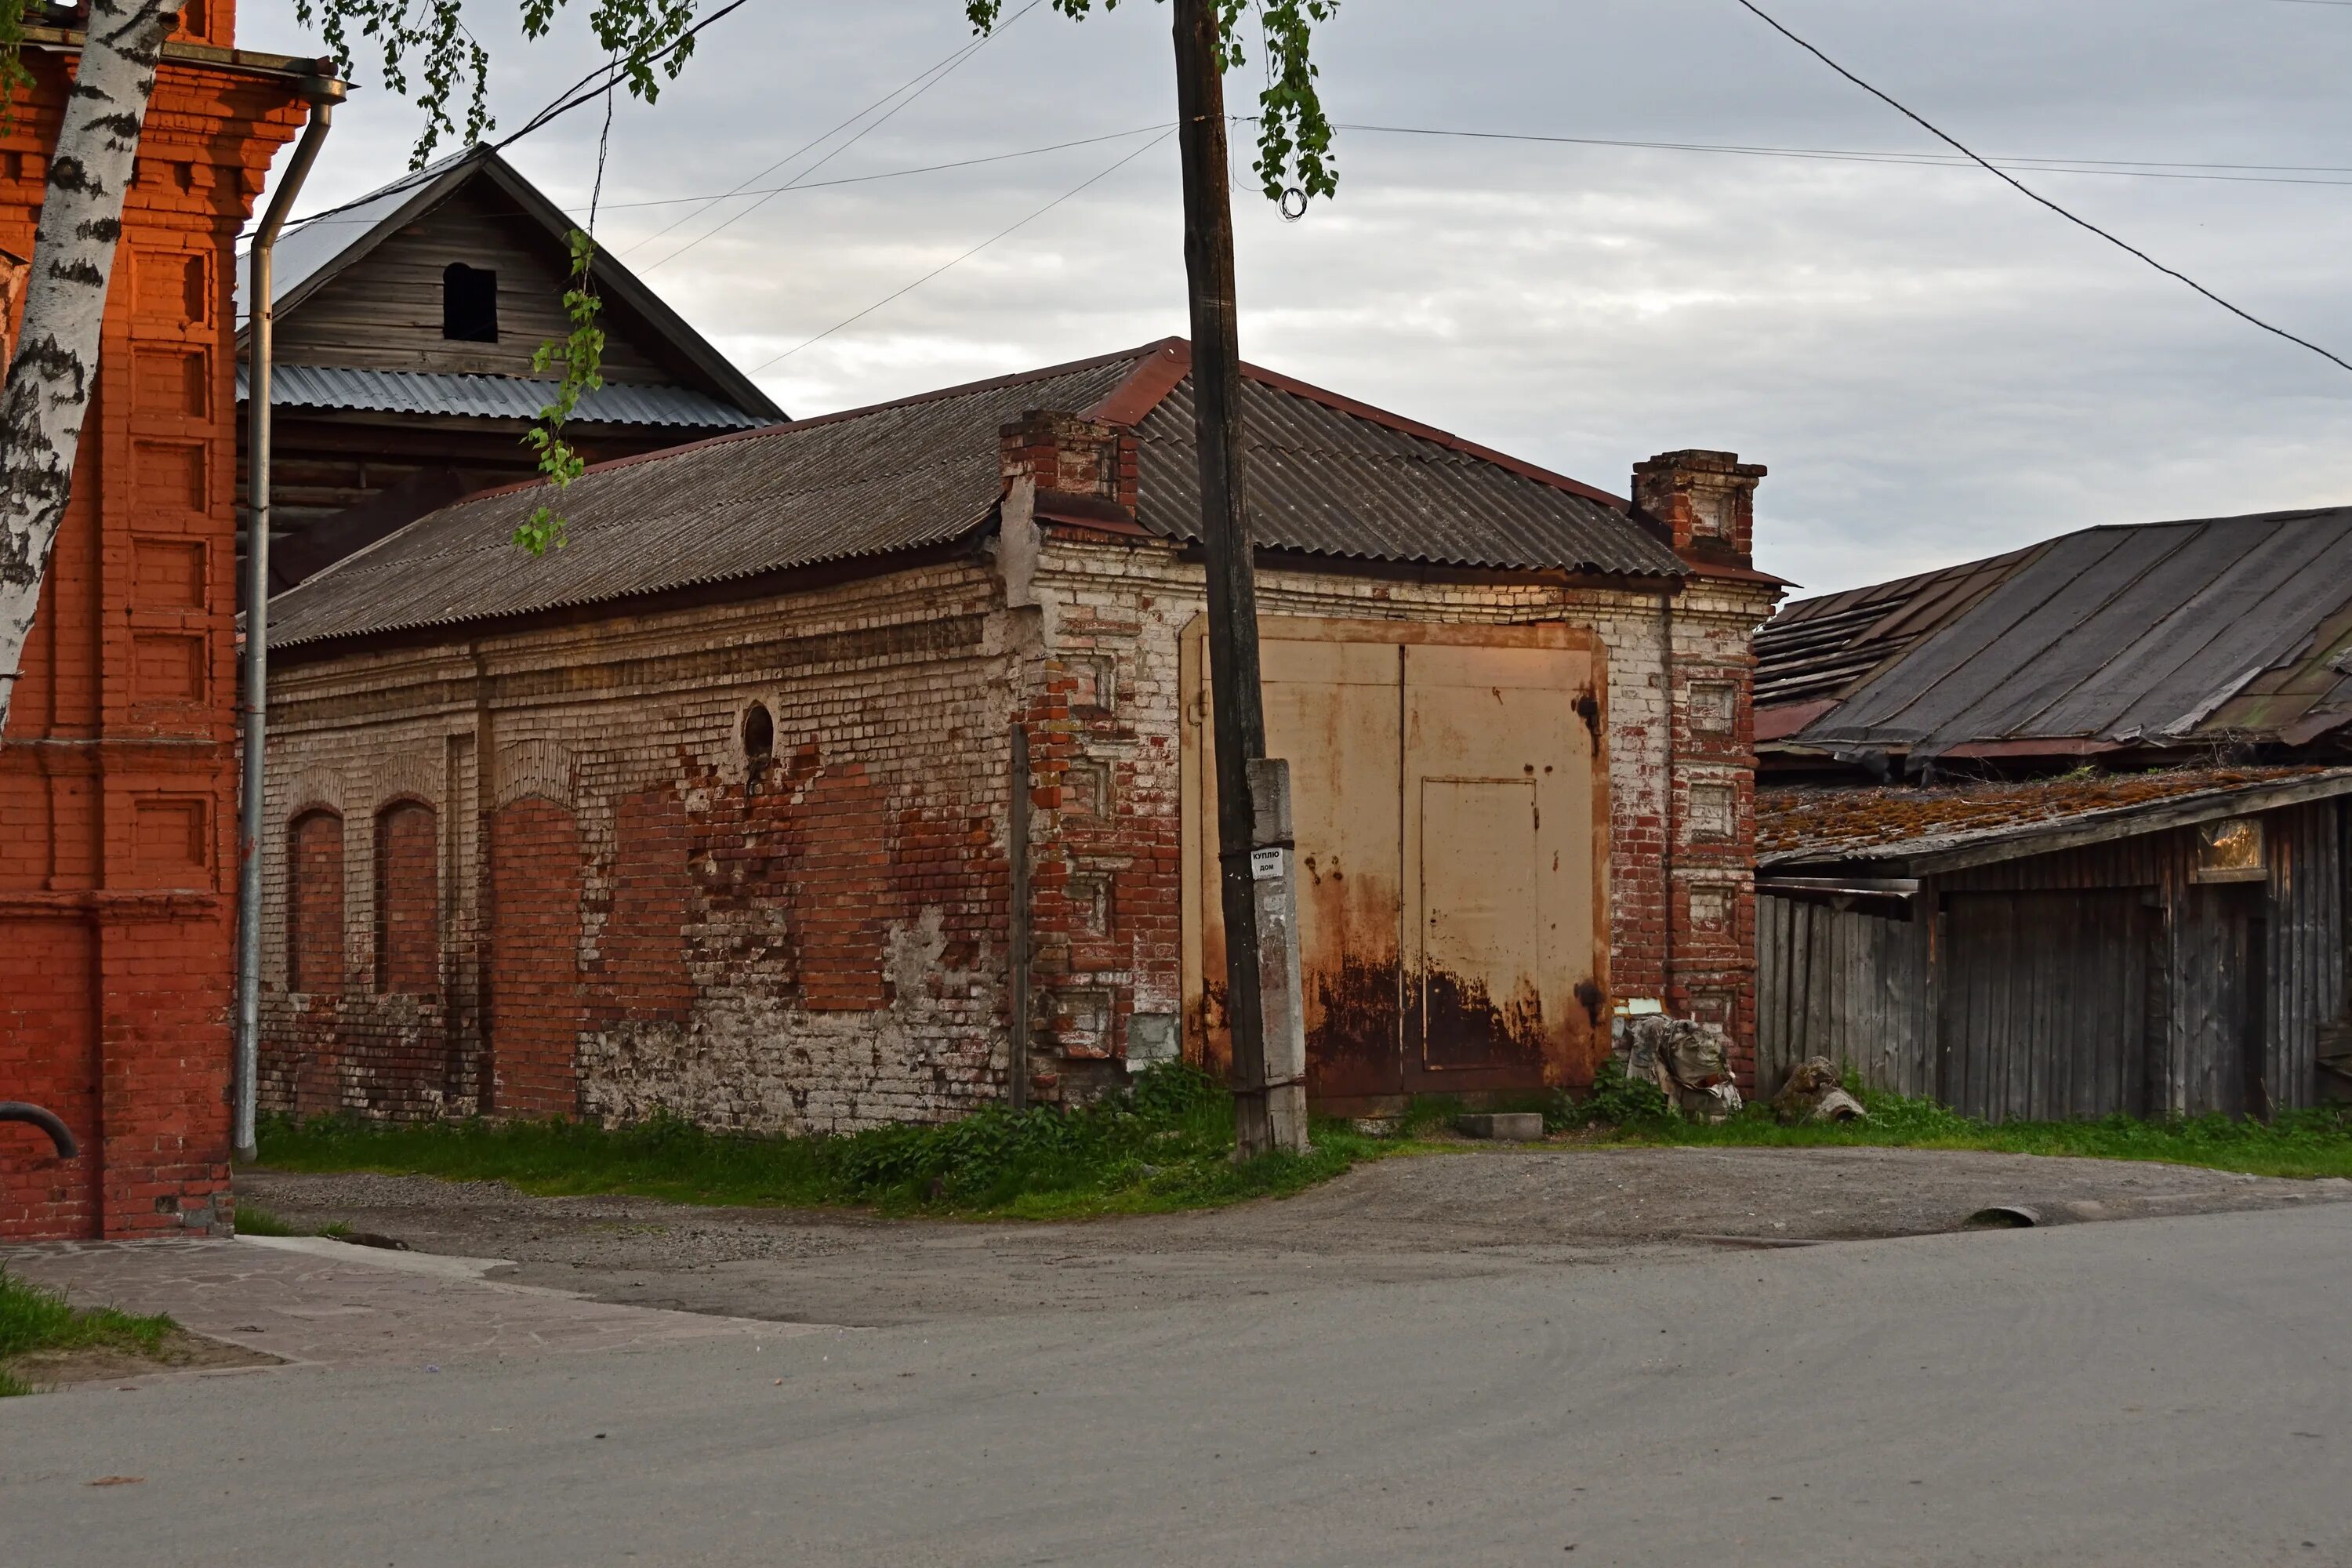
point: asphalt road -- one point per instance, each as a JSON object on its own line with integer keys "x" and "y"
{"x": 2160, "y": 1391}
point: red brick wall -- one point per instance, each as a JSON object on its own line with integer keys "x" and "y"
{"x": 49, "y": 1055}
{"x": 407, "y": 900}
{"x": 536, "y": 998}
{"x": 314, "y": 912}
{"x": 814, "y": 938}
{"x": 842, "y": 886}
{"x": 117, "y": 776}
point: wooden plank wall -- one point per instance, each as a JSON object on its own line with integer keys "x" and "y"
{"x": 1867, "y": 991}
{"x": 1852, "y": 985}
{"x": 384, "y": 311}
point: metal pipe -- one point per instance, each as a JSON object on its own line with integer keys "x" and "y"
{"x": 60, "y": 1138}
{"x": 322, "y": 92}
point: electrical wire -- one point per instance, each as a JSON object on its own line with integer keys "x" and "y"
{"x": 919, "y": 169}
{"x": 570, "y": 98}
{"x": 1091, "y": 180}
{"x": 919, "y": 83}
{"x": 574, "y": 96}
{"x": 2130, "y": 168}
{"x": 2007, "y": 178}
{"x": 940, "y": 74}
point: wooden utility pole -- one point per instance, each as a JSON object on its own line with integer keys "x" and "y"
{"x": 1237, "y": 714}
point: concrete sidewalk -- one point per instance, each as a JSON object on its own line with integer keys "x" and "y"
{"x": 321, "y": 1302}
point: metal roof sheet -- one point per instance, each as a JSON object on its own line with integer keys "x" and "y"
{"x": 2150, "y": 633}
{"x": 1824, "y": 646}
{"x": 309, "y": 257}
{"x": 1324, "y": 477}
{"x": 491, "y": 397}
{"x": 318, "y": 242}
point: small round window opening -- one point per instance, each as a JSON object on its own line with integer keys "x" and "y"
{"x": 758, "y": 737}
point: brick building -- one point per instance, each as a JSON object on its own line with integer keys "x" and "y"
{"x": 116, "y": 773}
{"x": 712, "y": 809}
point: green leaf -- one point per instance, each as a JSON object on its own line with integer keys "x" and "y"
{"x": 1293, "y": 134}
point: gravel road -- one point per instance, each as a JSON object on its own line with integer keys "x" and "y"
{"x": 1487, "y": 1213}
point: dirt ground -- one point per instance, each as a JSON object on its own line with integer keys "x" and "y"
{"x": 179, "y": 1352}
{"x": 1487, "y": 1213}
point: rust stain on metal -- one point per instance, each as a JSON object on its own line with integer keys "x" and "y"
{"x": 1351, "y": 1035}
{"x": 1461, "y": 1024}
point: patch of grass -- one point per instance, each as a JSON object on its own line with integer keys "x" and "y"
{"x": 252, "y": 1219}
{"x": 1165, "y": 1144}
{"x": 2301, "y": 1143}
{"x": 34, "y": 1318}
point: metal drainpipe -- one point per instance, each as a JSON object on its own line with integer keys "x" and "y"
{"x": 322, "y": 92}
{"x": 1666, "y": 932}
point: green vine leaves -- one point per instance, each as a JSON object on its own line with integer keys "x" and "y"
{"x": 1293, "y": 134}
{"x": 648, "y": 42}
{"x": 580, "y": 356}
{"x": 430, "y": 57}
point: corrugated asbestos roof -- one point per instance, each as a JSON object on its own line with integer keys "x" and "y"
{"x": 2154, "y": 634}
{"x": 1328, "y": 481}
{"x": 895, "y": 477}
{"x": 1836, "y": 823}
{"x": 491, "y": 397}
{"x": 1324, "y": 476}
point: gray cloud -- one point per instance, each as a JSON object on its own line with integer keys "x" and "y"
{"x": 1933, "y": 368}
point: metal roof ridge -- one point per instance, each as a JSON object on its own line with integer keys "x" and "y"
{"x": 2286, "y": 514}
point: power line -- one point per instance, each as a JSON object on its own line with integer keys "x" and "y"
{"x": 2124, "y": 168}
{"x": 936, "y": 75}
{"x": 922, "y": 169}
{"x": 2137, "y": 168}
{"x": 1091, "y": 180}
{"x": 2011, "y": 179}
{"x": 565, "y": 104}
{"x": 570, "y": 98}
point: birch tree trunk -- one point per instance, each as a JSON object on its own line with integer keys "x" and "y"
{"x": 55, "y": 367}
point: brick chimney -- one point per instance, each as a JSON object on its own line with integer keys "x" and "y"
{"x": 1085, "y": 469}
{"x": 1703, "y": 503}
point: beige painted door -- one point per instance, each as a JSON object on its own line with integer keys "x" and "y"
{"x": 1448, "y": 796}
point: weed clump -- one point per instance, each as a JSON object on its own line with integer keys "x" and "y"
{"x": 2296, "y": 1143}
{"x": 1166, "y": 1143}
{"x": 35, "y": 1317}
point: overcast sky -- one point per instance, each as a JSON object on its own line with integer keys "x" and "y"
{"x": 1933, "y": 368}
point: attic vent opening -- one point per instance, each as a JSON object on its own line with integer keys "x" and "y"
{"x": 469, "y": 304}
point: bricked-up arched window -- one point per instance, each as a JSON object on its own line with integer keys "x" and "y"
{"x": 407, "y": 900}
{"x": 314, "y": 904}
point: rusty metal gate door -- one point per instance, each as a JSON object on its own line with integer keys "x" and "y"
{"x": 1449, "y": 800}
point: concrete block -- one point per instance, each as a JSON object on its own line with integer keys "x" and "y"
{"x": 1512, "y": 1126}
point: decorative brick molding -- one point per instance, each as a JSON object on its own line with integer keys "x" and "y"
{"x": 538, "y": 767}
{"x": 313, "y": 789}
{"x": 411, "y": 773}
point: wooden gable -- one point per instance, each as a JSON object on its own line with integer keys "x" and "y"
{"x": 384, "y": 309}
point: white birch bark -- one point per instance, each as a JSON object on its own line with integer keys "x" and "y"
{"x": 56, "y": 368}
